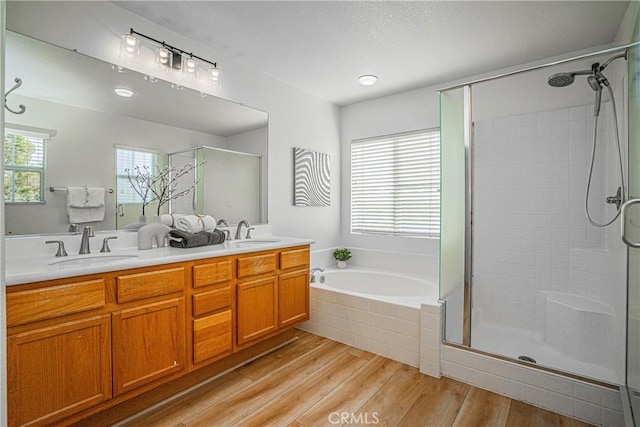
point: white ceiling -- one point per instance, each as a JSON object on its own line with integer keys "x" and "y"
{"x": 323, "y": 46}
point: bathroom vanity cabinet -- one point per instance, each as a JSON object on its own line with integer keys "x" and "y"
{"x": 80, "y": 345}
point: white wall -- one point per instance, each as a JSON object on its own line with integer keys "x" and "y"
{"x": 295, "y": 117}
{"x": 414, "y": 110}
{"x": 82, "y": 153}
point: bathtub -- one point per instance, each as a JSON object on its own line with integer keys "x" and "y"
{"x": 377, "y": 311}
{"x": 379, "y": 285}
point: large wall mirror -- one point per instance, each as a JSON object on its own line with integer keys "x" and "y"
{"x": 70, "y": 100}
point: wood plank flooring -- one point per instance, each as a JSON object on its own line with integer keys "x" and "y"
{"x": 315, "y": 381}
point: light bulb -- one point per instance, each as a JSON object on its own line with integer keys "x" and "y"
{"x": 163, "y": 54}
{"x": 129, "y": 47}
{"x": 164, "y": 59}
{"x": 214, "y": 73}
{"x": 191, "y": 65}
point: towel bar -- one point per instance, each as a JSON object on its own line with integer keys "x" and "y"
{"x": 109, "y": 190}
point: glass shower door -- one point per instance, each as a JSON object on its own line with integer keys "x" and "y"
{"x": 631, "y": 234}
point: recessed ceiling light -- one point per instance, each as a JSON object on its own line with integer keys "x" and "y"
{"x": 367, "y": 79}
{"x": 125, "y": 93}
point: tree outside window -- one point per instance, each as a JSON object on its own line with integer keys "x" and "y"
{"x": 24, "y": 162}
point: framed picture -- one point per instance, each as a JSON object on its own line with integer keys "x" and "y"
{"x": 312, "y": 178}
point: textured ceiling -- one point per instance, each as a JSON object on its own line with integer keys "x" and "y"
{"x": 323, "y": 46}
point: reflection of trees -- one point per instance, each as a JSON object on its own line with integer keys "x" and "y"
{"x": 25, "y": 184}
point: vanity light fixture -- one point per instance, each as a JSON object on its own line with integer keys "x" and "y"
{"x": 367, "y": 79}
{"x": 169, "y": 58}
{"x": 123, "y": 92}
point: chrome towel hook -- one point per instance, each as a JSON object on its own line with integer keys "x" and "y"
{"x": 18, "y": 81}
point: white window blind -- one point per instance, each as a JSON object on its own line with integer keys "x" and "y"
{"x": 24, "y": 164}
{"x": 128, "y": 159}
{"x": 395, "y": 184}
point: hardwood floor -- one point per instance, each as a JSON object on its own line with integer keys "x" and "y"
{"x": 314, "y": 381}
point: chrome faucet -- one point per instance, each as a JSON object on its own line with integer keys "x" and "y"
{"x": 74, "y": 228}
{"x": 239, "y": 229}
{"x": 222, "y": 222}
{"x": 313, "y": 272}
{"x": 84, "y": 243}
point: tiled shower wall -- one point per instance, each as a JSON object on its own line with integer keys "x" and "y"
{"x": 530, "y": 231}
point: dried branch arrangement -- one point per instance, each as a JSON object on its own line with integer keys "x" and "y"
{"x": 161, "y": 186}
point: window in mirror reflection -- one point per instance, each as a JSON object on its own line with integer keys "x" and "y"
{"x": 130, "y": 203}
{"x": 24, "y": 163}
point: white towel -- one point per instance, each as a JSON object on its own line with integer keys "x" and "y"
{"x": 170, "y": 219}
{"x": 85, "y": 197}
{"x": 85, "y": 204}
{"x": 196, "y": 223}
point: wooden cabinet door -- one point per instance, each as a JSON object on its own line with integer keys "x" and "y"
{"x": 148, "y": 344}
{"x": 293, "y": 298}
{"x": 59, "y": 370}
{"x": 257, "y": 309}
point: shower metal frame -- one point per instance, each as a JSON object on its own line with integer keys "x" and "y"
{"x": 469, "y": 143}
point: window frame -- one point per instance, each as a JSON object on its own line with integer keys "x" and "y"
{"x": 44, "y": 137}
{"x": 123, "y": 175}
{"x": 399, "y": 222}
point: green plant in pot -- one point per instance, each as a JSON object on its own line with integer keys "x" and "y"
{"x": 342, "y": 255}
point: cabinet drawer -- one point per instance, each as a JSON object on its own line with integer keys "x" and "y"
{"x": 212, "y": 336}
{"x": 212, "y": 273}
{"x": 256, "y": 264}
{"x": 39, "y": 304}
{"x": 210, "y": 301}
{"x": 294, "y": 258}
{"x": 133, "y": 287}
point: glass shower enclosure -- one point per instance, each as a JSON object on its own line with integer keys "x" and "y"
{"x": 531, "y": 278}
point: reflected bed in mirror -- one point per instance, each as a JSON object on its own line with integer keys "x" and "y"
{"x": 71, "y": 96}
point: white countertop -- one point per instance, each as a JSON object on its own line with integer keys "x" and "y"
{"x": 26, "y": 269}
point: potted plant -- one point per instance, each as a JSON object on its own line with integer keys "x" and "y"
{"x": 342, "y": 255}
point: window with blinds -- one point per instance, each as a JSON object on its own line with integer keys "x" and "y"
{"x": 24, "y": 164}
{"x": 395, "y": 184}
{"x": 129, "y": 158}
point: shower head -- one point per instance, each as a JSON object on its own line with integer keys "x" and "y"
{"x": 561, "y": 79}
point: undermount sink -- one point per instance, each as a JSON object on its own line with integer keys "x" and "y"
{"x": 86, "y": 260}
{"x": 252, "y": 242}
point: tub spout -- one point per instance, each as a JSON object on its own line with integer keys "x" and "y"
{"x": 313, "y": 272}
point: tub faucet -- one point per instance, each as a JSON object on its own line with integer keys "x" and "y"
{"x": 313, "y": 272}
{"x": 239, "y": 229}
{"x": 84, "y": 243}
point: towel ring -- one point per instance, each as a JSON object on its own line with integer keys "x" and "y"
{"x": 22, "y": 108}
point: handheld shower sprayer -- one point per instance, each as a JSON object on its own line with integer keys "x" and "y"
{"x": 597, "y": 81}
{"x": 597, "y": 87}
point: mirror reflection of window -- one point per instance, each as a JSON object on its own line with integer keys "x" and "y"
{"x": 130, "y": 203}
{"x": 24, "y": 166}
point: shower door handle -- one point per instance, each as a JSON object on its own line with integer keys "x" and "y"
{"x": 623, "y": 222}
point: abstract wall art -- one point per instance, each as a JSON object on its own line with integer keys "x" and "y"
{"x": 312, "y": 178}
